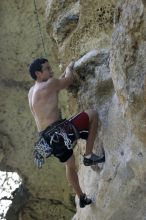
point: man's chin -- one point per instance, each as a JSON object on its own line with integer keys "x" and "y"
{"x": 45, "y": 80}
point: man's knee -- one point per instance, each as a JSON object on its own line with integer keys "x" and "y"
{"x": 92, "y": 114}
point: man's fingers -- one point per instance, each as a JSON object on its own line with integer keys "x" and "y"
{"x": 71, "y": 65}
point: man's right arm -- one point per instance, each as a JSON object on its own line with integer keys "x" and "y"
{"x": 68, "y": 78}
{"x": 63, "y": 82}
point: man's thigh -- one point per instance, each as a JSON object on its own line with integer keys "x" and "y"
{"x": 81, "y": 123}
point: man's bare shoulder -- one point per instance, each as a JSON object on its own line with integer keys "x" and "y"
{"x": 50, "y": 84}
{"x": 52, "y": 80}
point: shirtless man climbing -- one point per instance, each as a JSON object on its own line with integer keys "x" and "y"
{"x": 43, "y": 102}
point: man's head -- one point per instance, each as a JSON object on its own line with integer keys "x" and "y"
{"x": 40, "y": 69}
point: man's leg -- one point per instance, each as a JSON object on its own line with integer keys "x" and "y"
{"x": 90, "y": 158}
{"x": 72, "y": 176}
{"x": 93, "y": 125}
{"x": 87, "y": 123}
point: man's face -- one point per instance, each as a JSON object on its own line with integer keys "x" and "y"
{"x": 46, "y": 71}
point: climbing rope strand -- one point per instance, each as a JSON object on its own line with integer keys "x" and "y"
{"x": 39, "y": 27}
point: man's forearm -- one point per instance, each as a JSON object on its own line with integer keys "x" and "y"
{"x": 70, "y": 76}
{"x": 62, "y": 75}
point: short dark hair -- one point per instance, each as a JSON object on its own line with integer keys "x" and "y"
{"x": 36, "y": 65}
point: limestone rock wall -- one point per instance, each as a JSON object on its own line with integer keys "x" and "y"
{"x": 111, "y": 79}
{"x": 45, "y": 194}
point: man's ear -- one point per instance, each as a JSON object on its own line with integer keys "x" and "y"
{"x": 37, "y": 73}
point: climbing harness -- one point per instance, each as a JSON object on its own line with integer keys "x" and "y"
{"x": 39, "y": 27}
{"x": 61, "y": 133}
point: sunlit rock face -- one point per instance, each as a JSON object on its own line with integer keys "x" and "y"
{"x": 45, "y": 193}
{"x": 79, "y": 26}
{"x": 111, "y": 80}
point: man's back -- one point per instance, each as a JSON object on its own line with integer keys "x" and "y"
{"x": 43, "y": 102}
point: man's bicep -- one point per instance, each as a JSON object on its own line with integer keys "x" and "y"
{"x": 52, "y": 84}
{"x": 64, "y": 83}
{"x": 58, "y": 84}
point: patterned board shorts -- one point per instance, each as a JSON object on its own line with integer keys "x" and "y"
{"x": 62, "y": 135}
